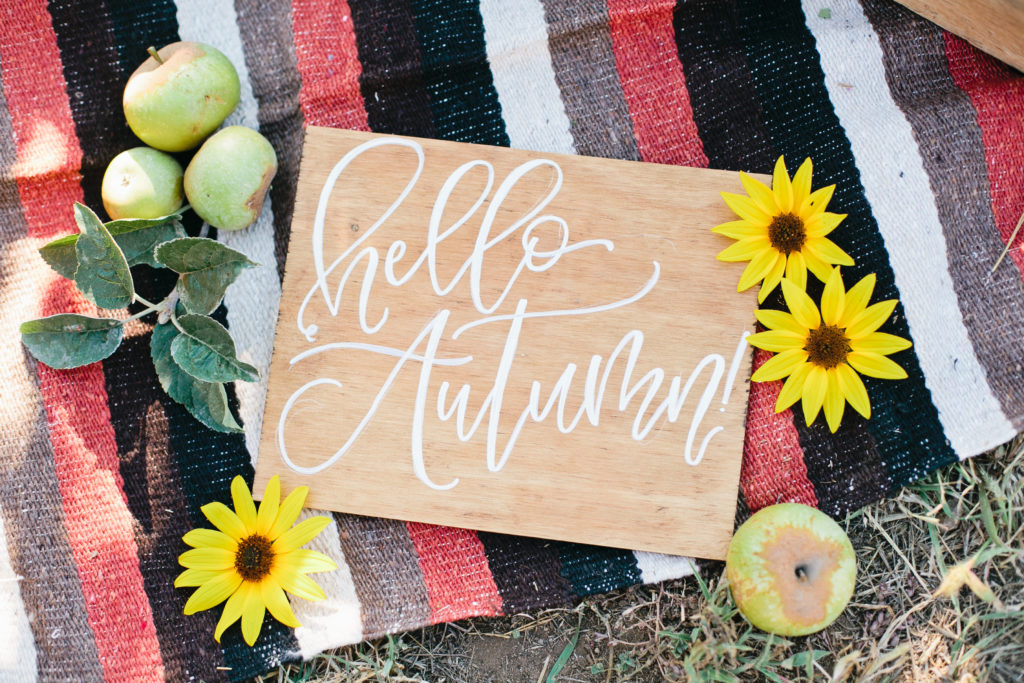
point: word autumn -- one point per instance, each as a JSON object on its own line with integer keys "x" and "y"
{"x": 649, "y": 397}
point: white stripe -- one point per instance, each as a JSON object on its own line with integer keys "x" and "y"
{"x": 655, "y": 567}
{"x": 901, "y": 200}
{"x": 254, "y": 299}
{"x": 18, "y": 654}
{"x": 337, "y": 620}
{"x": 516, "y": 37}
{"x": 253, "y": 302}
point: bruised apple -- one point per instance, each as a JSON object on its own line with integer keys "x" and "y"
{"x": 791, "y": 569}
{"x": 180, "y": 95}
{"x": 142, "y": 183}
{"x": 228, "y": 177}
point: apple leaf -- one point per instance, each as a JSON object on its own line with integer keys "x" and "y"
{"x": 68, "y": 340}
{"x": 102, "y": 274}
{"x": 206, "y": 351}
{"x": 206, "y": 268}
{"x": 137, "y": 237}
{"x": 206, "y": 401}
{"x": 60, "y": 255}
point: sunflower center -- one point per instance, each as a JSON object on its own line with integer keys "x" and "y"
{"x": 827, "y": 346}
{"x": 786, "y": 233}
{"x": 254, "y": 557}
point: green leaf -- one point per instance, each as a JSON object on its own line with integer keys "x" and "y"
{"x": 206, "y": 401}
{"x": 137, "y": 238}
{"x": 69, "y": 341}
{"x": 563, "y": 658}
{"x": 60, "y": 255}
{"x": 102, "y": 274}
{"x": 140, "y": 243}
{"x": 207, "y": 352}
{"x": 206, "y": 267}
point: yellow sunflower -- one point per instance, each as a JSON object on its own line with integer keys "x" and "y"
{"x": 822, "y": 353}
{"x": 782, "y": 230}
{"x": 252, "y": 558}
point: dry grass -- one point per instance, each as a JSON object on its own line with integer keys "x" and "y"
{"x": 961, "y": 529}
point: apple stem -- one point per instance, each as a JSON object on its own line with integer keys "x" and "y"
{"x": 154, "y": 54}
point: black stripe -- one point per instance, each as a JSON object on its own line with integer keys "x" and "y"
{"x": 800, "y": 121}
{"x": 456, "y": 73}
{"x": 391, "y": 81}
{"x": 592, "y": 569}
{"x": 92, "y": 72}
{"x": 527, "y": 572}
{"x": 722, "y": 95}
{"x": 138, "y": 26}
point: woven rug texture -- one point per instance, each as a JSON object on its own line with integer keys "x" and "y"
{"x": 922, "y": 134}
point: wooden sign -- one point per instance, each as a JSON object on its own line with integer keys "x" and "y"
{"x": 510, "y": 341}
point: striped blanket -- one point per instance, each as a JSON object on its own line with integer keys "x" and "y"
{"x": 102, "y": 473}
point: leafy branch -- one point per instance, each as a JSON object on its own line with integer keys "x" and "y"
{"x": 193, "y": 354}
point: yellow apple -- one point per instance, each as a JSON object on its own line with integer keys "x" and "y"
{"x": 142, "y": 183}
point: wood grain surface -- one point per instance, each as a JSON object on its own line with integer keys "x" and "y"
{"x": 995, "y": 26}
{"x": 611, "y": 232}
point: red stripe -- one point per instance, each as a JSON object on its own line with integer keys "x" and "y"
{"x": 997, "y": 93}
{"x": 773, "y": 468}
{"x": 652, "y": 81}
{"x": 99, "y": 525}
{"x": 456, "y": 571}
{"x": 328, "y": 62}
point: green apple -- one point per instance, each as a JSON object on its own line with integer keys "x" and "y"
{"x": 142, "y": 183}
{"x": 791, "y": 569}
{"x": 228, "y": 177}
{"x": 180, "y": 95}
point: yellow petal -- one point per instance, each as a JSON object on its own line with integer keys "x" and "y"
{"x": 781, "y": 187}
{"x": 759, "y": 192}
{"x": 209, "y": 538}
{"x": 800, "y": 305}
{"x": 821, "y": 224}
{"x": 870, "y": 319}
{"x": 874, "y": 365}
{"x": 819, "y": 199}
{"x": 777, "y": 340}
{"x": 802, "y": 183}
{"x": 222, "y": 517}
{"x": 834, "y": 404}
{"x": 252, "y": 616}
{"x": 833, "y": 298}
{"x": 780, "y": 320}
{"x": 276, "y": 601}
{"x": 213, "y": 592}
{"x": 739, "y": 229}
{"x": 857, "y": 298}
{"x": 758, "y": 267}
{"x": 780, "y": 365}
{"x": 796, "y": 270}
{"x": 232, "y": 609}
{"x": 269, "y": 506}
{"x": 244, "y": 507}
{"x": 745, "y": 208}
{"x": 297, "y": 583}
{"x": 878, "y": 342}
{"x": 745, "y": 249}
{"x": 300, "y": 534}
{"x": 304, "y": 561}
{"x": 772, "y": 279}
{"x": 820, "y": 269}
{"x": 815, "y": 387}
{"x": 196, "y": 577}
{"x": 827, "y": 251}
{"x": 288, "y": 512}
{"x": 793, "y": 388}
{"x": 207, "y": 558}
{"x": 853, "y": 389}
